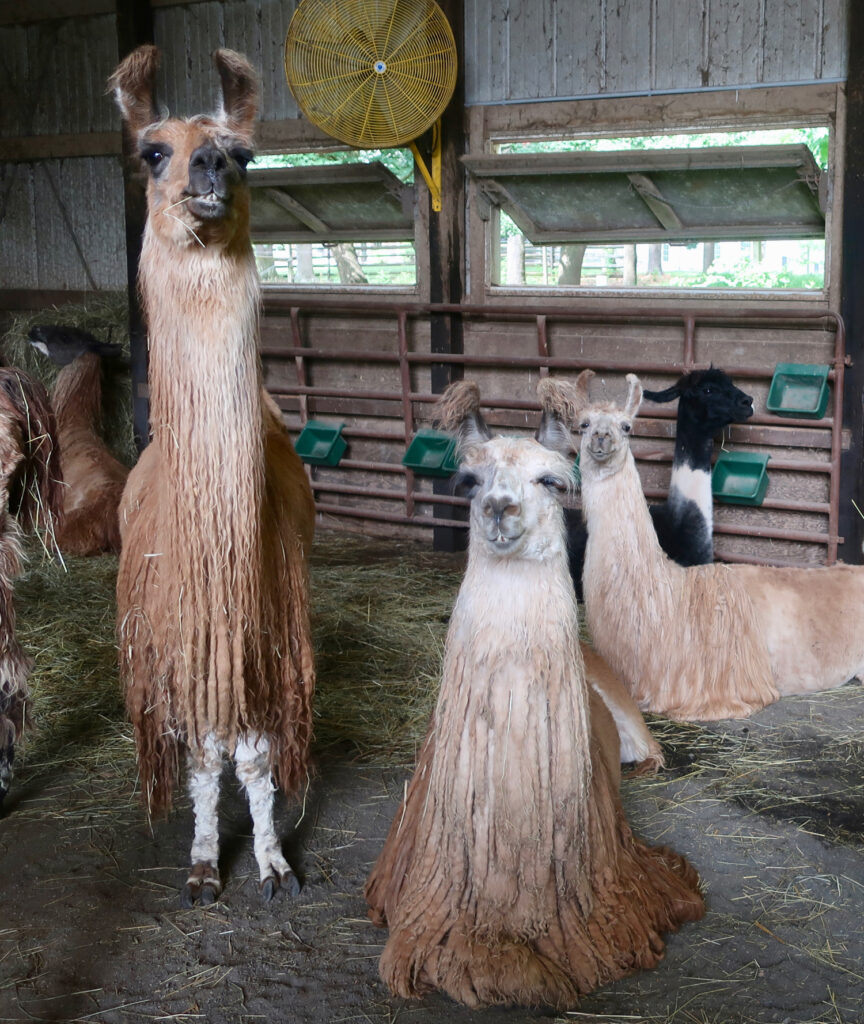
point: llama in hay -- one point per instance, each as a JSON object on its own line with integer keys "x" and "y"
{"x": 709, "y": 641}
{"x": 29, "y": 496}
{"x": 509, "y": 874}
{"x": 93, "y": 478}
{"x": 217, "y": 516}
{"x": 708, "y": 402}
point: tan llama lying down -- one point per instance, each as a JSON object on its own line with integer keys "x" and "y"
{"x": 510, "y": 874}
{"x": 710, "y": 641}
{"x": 217, "y": 516}
{"x": 93, "y": 478}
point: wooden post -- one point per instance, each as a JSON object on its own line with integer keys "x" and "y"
{"x": 447, "y": 260}
{"x": 851, "y": 526}
{"x": 134, "y": 28}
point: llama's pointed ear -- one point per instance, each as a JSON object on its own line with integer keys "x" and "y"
{"x": 134, "y": 87}
{"x": 580, "y": 389}
{"x": 458, "y": 413}
{"x": 558, "y": 412}
{"x": 634, "y": 395}
{"x": 668, "y": 395}
{"x": 239, "y": 91}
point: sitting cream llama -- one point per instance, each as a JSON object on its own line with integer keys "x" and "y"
{"x": 510, "y": 874}
{"x": 710, "y": 641}
{"x": 217, "y": 516}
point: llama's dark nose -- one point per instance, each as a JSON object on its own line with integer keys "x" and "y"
{"x": 497, "y": 507}
{"x": 208, "y": 171}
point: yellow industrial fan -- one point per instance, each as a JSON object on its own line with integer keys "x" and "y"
{"x": 374, "y": 73}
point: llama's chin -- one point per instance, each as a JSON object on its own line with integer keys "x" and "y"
{"x": 603, "y": 456}
{"x": 500, "y": 544}
{"x": 209, "y": 208}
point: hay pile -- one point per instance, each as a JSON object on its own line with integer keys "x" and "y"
{"x": 380, "y": 613}
{"x": 106, "y": 317}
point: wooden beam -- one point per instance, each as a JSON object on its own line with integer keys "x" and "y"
{"x": 297, "y": 210}
{"x": 731, "y": 109}
{"x": 654, "y": 200}
{"x": 25, "y": 12}
{"x": 447, "y": 253}
{"x": 135, "y": 28}
{"x": 851, "y": 525}
{"x": 32, "y": 299}
{"x": 58, "y": 147}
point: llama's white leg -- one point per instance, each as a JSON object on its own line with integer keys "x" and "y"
{"x": 252, "y": 759}
{"x": 205, "y": 767}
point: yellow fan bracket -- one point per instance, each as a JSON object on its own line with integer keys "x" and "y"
{"x": 432, "y": 173}
{"x": 374, "y": 73}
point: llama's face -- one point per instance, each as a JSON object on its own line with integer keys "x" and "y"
{"x": 197, "y": 179}
{"x": 605, "y": 431}
{"x": 197, "y": 191}
{"x": 708, "y": 400}
{"x": 515, "y": 486}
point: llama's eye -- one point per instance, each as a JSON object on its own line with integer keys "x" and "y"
{"x": 554, "y": 483}
{"x": 242, "y": 157}
{"x": 626, "y": 428}
{"x": 156, "y": 157}
{"x": 585, "y": 424}
{"x": 466, "y": 484}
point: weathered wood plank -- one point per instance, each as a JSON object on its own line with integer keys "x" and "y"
{"x": 580, "y": 48}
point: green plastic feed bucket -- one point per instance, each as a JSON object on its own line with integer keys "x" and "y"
{"x": 321, "y": 444}
{"x": 799, "y": 389}
{"x": 740, "y": 478}
{"x": 431, "y": 453}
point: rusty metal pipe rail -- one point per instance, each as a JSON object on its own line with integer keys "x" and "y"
{"x": 777, "y": 317}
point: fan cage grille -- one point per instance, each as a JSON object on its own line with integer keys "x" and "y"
{"x": 372, "y": 73}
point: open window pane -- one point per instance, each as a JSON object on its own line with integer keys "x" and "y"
{"x": 334, "y": 219}
{"x": 749, "y": 215}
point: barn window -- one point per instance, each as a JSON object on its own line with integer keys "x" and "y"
{"x": 334, "y": 219}
{"x": 743, "y": 210}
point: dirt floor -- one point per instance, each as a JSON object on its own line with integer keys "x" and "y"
{"x": 770, "y": 811}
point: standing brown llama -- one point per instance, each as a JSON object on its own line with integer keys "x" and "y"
{"x": 217, "y": 517}
{"x": 510, "y": 874}
{"x": 93, "y": 479}
{"x": 30, "y": 496}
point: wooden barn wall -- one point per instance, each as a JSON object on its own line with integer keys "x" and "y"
{"x": 61, "y": 181}
{"x": 544, "y": 49}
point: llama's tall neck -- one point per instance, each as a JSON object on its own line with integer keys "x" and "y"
{"x": 202, "y": 313}
{"x": 691, "y": 468}
{"x": 621, "y": 535}
{"x": 513, "y": 676}
{"x": 205, "y": 390}
{"x": 693, "y": 447}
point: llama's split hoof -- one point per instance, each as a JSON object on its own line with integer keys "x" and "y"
{"x": 272, "y": 883}
{"x": 196, "y": 894}
{"x": 202, "y": 886}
